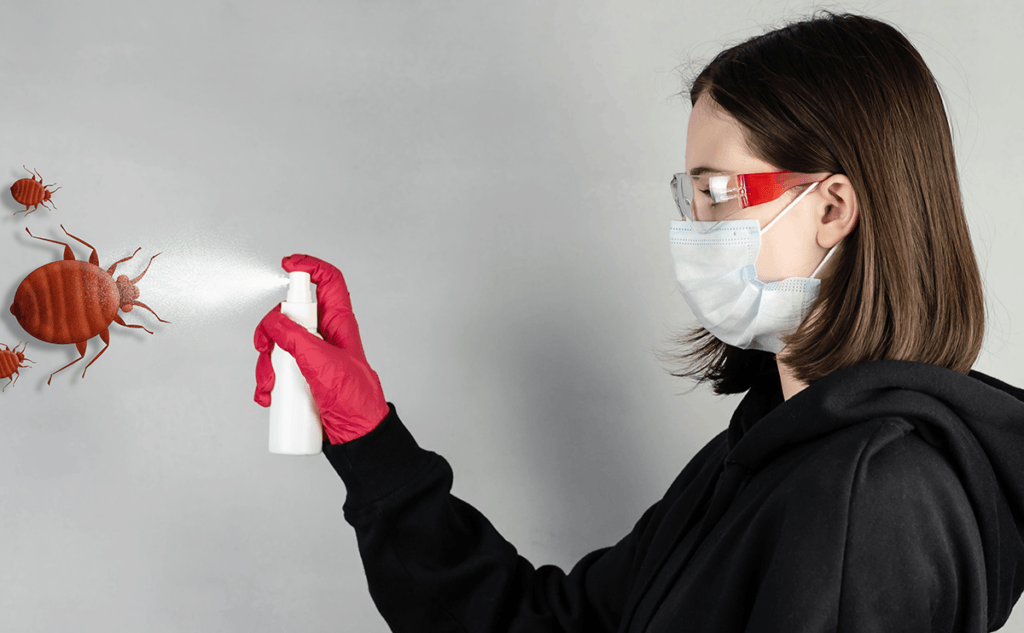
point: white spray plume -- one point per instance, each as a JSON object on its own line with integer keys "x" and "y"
{"x": 204, "y": 276}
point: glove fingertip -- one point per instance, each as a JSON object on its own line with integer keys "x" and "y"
{"x": 262, "y": 342}
{"x": 261, "y": 338}
{"x": 262, "y": 398}
{"x": 300, "y": 262}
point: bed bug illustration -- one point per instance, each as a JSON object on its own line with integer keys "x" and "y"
{"x": 11, "y": 361}
{"x": 69, "y": 301}
{"x": 31, "y": 192}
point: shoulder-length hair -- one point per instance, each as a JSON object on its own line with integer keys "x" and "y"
{"x": 848, "y": 94}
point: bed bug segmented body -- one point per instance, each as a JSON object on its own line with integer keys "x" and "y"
{"x": 69, "y": 301}
{"x": 11, "y": 360}
{"x": 31, "y": 192}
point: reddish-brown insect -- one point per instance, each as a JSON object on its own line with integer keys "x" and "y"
{"x": 31, "y": 192}
{"x": 69, "y": 301}
{"x": 11, "y": 362}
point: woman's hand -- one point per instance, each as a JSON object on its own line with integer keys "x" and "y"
{"x": 346, "y": 390}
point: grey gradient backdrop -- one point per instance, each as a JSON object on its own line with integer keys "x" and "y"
{"x": 492, "y": 179}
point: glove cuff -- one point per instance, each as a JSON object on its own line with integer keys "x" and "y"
{"x": 378, "y": 463}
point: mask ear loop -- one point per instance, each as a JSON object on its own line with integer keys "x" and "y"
{"x": 786, "y": 210}
{"x": 827, "y": 255}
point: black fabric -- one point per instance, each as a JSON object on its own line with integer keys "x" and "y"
{"x": 888, "y": 496}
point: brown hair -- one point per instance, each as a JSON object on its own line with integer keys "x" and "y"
{"x": 848, "y": 94}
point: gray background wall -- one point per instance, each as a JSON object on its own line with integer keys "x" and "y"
{"x": 492, "y": 180}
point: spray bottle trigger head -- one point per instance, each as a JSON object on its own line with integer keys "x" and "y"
{"x": 299, "y": 288}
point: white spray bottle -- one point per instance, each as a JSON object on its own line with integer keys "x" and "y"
{"x": 294, "y": 418}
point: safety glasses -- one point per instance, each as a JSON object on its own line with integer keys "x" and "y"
{"x": 706, "y": 200}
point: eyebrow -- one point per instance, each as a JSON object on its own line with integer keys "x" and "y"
{"x": 704, "y": 169}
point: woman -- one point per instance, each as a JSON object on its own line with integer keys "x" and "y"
{"x": 868, "y": 480}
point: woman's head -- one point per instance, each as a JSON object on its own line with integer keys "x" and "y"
{"x": 850, "y": 98}
{"x": 798, "y": 240}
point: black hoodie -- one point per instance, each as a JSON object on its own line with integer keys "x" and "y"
{"x": 887, "y": 496}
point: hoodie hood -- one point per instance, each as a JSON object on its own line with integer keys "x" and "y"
{"x": 974, "y": 420}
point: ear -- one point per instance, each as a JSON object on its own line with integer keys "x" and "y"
{"x": 836, "y": 209}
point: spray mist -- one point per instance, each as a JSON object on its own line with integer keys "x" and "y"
{"x": 294, "y": 418}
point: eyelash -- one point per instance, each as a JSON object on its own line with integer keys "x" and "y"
{"x": 708, "y": 194}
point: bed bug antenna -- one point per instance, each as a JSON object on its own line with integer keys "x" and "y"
{"x": 147, "y": 268}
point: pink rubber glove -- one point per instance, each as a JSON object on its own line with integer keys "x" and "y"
{"x": 346, "y": 390}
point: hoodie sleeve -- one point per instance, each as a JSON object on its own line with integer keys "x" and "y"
{"x": 434, "y": 563}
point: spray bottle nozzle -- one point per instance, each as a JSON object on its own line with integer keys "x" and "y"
{"x": 299, "y": 289}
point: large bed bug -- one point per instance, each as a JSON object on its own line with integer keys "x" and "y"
{"x": 31, "y": 192}
{"x": 11, "y": 361}
{"x": 69, "y": 301}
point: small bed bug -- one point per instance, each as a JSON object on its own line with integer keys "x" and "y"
{"x": 69, "y": 301}
{"x": 11, "y": 361}
{"x": 31, "y": 192}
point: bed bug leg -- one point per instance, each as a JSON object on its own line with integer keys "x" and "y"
{"x": 143, "y": 305}
{"x": 94, "y": 258}
{"x": 68, "y": 255}
{"x": 16, "y": 376}
{"x": 81, "y": 345}
{"x": 120, "y": 321}
{"x": 105, "y": 337}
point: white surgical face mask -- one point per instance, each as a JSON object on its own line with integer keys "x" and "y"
{"x": 717, "y": 276}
